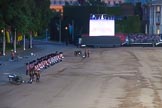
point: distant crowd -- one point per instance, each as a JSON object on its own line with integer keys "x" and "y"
{"x": 143, "y": 38}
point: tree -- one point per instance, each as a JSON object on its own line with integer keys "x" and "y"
{"x": 25, "y": 15}
{"x": 138, "y": 10}
{"x": 46, "y": 13}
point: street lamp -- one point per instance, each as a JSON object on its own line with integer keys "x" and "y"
{"x": 24, "y": 42}
{"x": 60, "y": 30}
{"x": 4, "y": 42}
{"x": 66, "y": 28}
{"x": 46, "y": 34}
{"x": 66, "y": 36}
{"x": 31, "y": 39}
{"x": 15, "y": 41}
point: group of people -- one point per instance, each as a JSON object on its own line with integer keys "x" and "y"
{"x": 143, "y": 38}
{"x": 34, "y": 67}
{"x": 80, "y": 53}
{"x": 86, "y": 53}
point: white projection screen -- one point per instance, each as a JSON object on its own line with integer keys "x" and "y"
{"x": 101, "y": 25}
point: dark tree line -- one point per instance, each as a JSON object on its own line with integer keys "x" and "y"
{"x": 25, "y": 15}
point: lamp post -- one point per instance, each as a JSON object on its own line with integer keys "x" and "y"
{"x": 15, "y": 41}
{"x": 4, "y": 42}
{"x": 31, "y": 40}
{"x": 66, "y": 36}
{"x": 24, "y": 42}
{"x": 60, "y": 30}
{"x": 46, "y": 34}
{"x": 73, "y": 31}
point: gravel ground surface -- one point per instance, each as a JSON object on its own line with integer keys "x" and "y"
{"x": 125, "y": 77}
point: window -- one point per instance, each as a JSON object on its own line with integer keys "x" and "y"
{"x": 54, "y": 2}
{"x": 60, "y": 2}
{"x": 120, "y": 2}
{"x": 158, "y": 9}
{"x": 158, "y": 31}
{"x": 71, "y": 2}
{"x": 114, "y": 3}
{"x": 57, "y": 2}
{"x": 63, "y": 2}
{"x": 109, "y": 2}
{"x": 158, "y": 18}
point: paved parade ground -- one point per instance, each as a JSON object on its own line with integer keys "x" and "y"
{"x": 123, "y": 77}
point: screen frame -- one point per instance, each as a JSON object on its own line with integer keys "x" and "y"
{"x": 101, "y": 25}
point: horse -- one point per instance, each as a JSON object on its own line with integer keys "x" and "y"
{"x": 34, "y": 73}
{"x": 37, "y": 69}
{"x": 31, "y": 75}
{"x": 37, "y": 73}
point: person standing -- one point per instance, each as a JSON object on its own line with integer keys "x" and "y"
{"x": 88, "y": 52}
{"x": 12, "y": 55}
{"x": 85, "y": 53}
{"x": 27, "y": 68}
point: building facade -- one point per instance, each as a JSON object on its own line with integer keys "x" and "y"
{"x": 113, "y": 2}
{"x": 75, "y": 2}
{"x": 57, "y": 5}
{"x": 135, "y": 1}
{"x": 108, "y": 2}
{"x": 63, "y": 2}
{"x": 155, "y": 17}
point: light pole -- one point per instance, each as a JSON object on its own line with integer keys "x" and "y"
{"x": 46, "y": 34}
{"x": 4, "y": 42}
{"x": 73, "y": 31}
{"x": 15, "y": 41}
{"x": 31, "y": 40}
{"x": 60, "y": 30}
{"x": 66, "y": 36}
{"x": 24, "y": 42}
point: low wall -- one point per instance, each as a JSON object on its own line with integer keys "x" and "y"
{"x": 101, "y": 41}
